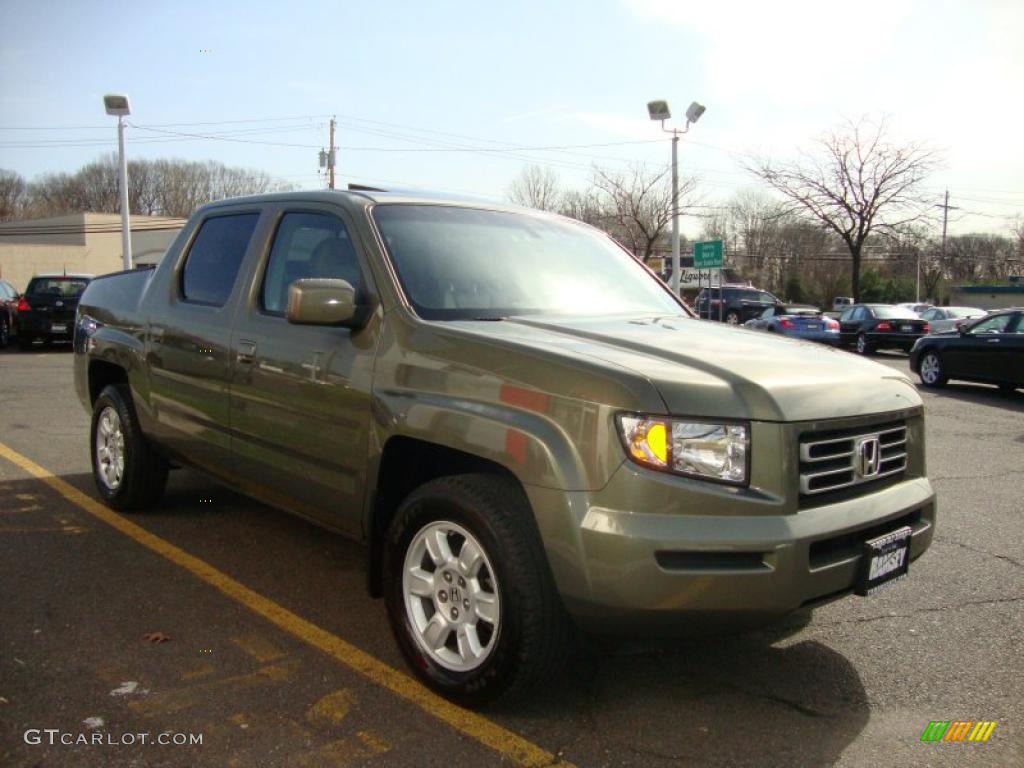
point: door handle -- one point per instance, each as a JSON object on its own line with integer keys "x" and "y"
{"x": 246, "y": 351}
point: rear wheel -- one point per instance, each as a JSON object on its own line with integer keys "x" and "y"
{"x": 732, "y": 318}
{"x": 5, "y": 333}
{"x": 864, "y": 347}
{"x": 24, "y": 343}
{"x": 931, "y": 372}
{"x": 128, "y": 473}
{"x": 470, "y": 597}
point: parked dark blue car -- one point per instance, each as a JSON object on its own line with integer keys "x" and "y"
{"x": 800, "y": 321}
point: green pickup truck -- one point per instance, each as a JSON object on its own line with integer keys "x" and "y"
{"x": 524, "y": 425}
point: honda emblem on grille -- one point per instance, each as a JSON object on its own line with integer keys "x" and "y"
{"x": 867, "y": 456}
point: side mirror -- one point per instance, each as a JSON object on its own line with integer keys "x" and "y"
{"x": 323, "y": 301}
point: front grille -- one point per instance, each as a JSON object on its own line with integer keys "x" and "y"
{"x": 832, "y": 461}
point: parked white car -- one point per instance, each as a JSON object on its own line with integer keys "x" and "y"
{"x": 949, "y": 318}
{"x": 915, "y": 306}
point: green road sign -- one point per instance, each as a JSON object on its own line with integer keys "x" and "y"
{"x": 707, "y": 254}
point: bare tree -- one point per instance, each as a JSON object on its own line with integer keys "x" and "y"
{"x": 155, "y": 187}
{"x": 583, "y": 206}
{"x": 637, "y": 206}
{"x": 856, "y": 183}
{"x": 13, "y": 195}
{"x": 1017, "y": 228}
{"x": 536, "y": 187}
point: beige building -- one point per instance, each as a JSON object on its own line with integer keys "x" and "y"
{"x": 989, "y": 297}
{"x": 80, "y": 242}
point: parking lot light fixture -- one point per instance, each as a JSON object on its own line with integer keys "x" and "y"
{"x": 659, "y": 110}
{"x": 117, "y": 104}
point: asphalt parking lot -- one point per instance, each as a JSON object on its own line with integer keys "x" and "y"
{"x": 217, "y": 616}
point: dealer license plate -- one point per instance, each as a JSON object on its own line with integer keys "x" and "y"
{"x": 885, "y": 559}
{"x": 907, "y": 328}
{"x": 58, "y": 328}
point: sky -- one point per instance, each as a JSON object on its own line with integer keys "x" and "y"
{"x": 461, "y": 96}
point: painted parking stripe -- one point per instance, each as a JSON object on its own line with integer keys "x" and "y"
{"x": 506, "y": 743}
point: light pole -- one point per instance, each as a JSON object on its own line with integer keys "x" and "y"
{"x": 658, "y": 110}
{"x": 117, "y": 104}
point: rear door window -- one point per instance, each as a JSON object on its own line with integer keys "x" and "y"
{"x": 215, "y": 258}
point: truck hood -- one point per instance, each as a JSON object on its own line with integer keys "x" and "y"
{"x": 707, "y": 369}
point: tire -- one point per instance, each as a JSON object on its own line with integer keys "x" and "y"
{"x": 930, "y": 370}
{"x": 506, "y": 599}
{"x": 863, "y": 345}
{"x": 5, "y": 333}
{"x": 24, "y": 343}
{"x": 732, "y": 318}
{"x": 128, "y": 473}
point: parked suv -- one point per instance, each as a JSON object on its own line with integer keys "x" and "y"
{"x": 47, "y": 309}
{"x": 526, "y": 427}
{"x": 738, "y": 303}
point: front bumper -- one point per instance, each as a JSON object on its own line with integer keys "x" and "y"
{"x": 652, "y": 573}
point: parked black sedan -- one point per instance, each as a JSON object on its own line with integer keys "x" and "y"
{"x": 880, "y": 326}
{"x": 989, "y": 350}
{"x": 47, "y": 309}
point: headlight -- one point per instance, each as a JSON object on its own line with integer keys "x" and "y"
{"x": 87, "y": 325}
{"x": 708, "y": 450}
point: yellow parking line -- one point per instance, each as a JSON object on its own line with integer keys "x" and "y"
{"x": 509, "y": 745}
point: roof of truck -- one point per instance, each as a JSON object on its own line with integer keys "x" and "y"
{"x": 369, "y": 195}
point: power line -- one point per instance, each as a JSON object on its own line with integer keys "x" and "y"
{"x": 159, "y": 125}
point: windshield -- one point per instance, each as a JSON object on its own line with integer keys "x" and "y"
{"x": 458, "y": 263}
{"x": 65, "y": 287}
{"x": 895, "y": 313}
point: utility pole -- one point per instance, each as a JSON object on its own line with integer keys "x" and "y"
{"x": 946, "y": 208}
{"x": 330, "y": 157}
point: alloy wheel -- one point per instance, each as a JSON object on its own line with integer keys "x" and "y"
{"x": 110, "y": 448}
{"x": 931, "y": 368}
{"x": 451, "y": 596}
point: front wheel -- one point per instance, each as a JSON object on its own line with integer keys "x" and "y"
{"x": 128, "y": 473}
{"x": 931, "y": 371}
{"x": 470, "y": 598}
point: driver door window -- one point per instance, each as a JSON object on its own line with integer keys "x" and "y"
{"x": 307, "y": 245}
{"x": 997, "y": 324}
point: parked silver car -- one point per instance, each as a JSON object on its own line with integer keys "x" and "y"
{"x": 944, "y": 319}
